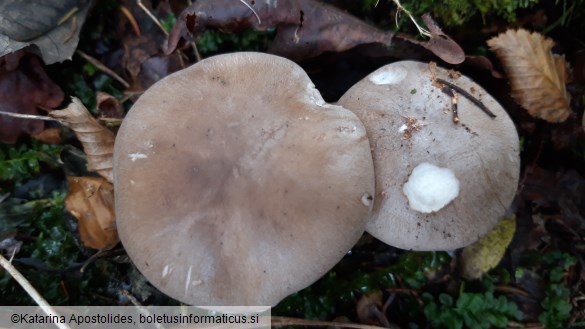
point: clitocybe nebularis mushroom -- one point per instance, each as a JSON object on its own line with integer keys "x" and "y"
{"x": 440, "y": 185}
{"x": 236, "y": 184}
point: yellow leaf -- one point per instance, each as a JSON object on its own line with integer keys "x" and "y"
{"x": 97, "y": 140}
{"x": 91, "y": 201}
{"x": 537, "y": 77}
{"x": 486, "y": 253}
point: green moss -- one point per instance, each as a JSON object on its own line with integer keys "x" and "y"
{"x": 458, "y": 12}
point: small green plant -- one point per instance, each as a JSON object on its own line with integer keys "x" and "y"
{"x": 212, "y": 42}
{"x": 20, "y": 162}
{"x": 334, "y": 292}
{"x": 470, "y": 310}
{"x": 168, "y": 22}
{"x": 556, "y": 303}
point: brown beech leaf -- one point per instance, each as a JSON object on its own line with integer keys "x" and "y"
{"x": 91, "y": 201}
{"x": 305, "y": 28}
{"x": 24, "y": 86}
{"x": 537, "y": 77}
{"x": 109, "y": 106}
{"x": 97, "y": 140}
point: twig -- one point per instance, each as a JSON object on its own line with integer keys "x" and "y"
{"x": 30, "y": 290}
{"x": 451, "y": 93}
{"x": 252, "y": 9}
{"x": 154, "y": 19}
{"x": 420, "y": 29}
{"x": 279, "y": 321}
{"x": 136, "y": 303}
{"x": 103, "y": 68}
{"x": 468, "y": 96}
{"x": 68, "y": 15}
{"x": 196, "y": 51}
{"x": 132, "y": 20}
{"x": 161, "y": 27}
{"x": 27, "y": 116}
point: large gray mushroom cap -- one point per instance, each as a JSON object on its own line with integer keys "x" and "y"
{"x": 236, "y": 184}
{"x": 414, "y": 140}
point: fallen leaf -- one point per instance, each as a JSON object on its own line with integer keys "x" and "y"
{"x": 369, "y": 310}
{"x": 24, "y": 86}
{"x": 439, "y": 44}
{"x": 537, "y": 76}
{"x": 143, "y": 59}
{"x": 109, "y": 106}
{"x": 49, "y": 136}
{"x": 91, "y": 201}
{"x": 480, "y": 257}
{"x": 97, "y": 140}
{"x": 305, "y": 28}
{"x": 52, "y": 28}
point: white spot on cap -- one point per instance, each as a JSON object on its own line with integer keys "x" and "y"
{"x": 166, "y": 271}
{"x": 430, "y": 188}
{"x": 188, "y": 281}
{"x": 388, "y": 76}
{"x": 136, "y": 156}
{"x": 367, "y": 199}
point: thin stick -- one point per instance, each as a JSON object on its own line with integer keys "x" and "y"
{"x": 421, "y": 29}
{"x": 103, "y": 68}
{"x": 252, "y": 9}
{"x": 136, "y": 303}
{"x": 154, "y": 19}
{"x": 30, "y": 290}
{"x": 27, "y": 116}
{"x": 132, "y": 20}
{"x": 197, "y": 54}
{"x": 468, "y": 96}
{"x": 279, "y": 321}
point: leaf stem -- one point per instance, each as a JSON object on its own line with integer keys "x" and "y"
{"x": 30, "y": 290}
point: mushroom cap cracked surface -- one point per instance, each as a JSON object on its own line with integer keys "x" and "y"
{"x": 410, "y": 123}
{"x": 236, "y": 184}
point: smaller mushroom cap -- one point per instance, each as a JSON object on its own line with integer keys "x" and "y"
{"x": 410, "y": 125}
{"x": 236, "y": 184}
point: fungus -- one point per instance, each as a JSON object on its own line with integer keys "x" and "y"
{"x": 430, "y": 188}
{"x": 409, "y": 131}
{"x": 236, "y": 184}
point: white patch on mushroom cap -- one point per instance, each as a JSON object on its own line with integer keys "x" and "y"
{"x": 430, "y": 188}
{"x": 135, "y": 156}
{"x": 389, "y": 76}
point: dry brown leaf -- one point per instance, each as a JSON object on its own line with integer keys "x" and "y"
{"x": 49, "y": 136}
{"x": 91, "y": 201}
{"x": 537, "y": 76}
{"x": 97, "y": 140}
{"x": 24, "y": 87}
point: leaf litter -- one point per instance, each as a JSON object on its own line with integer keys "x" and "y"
{"x": 552, "y": 190}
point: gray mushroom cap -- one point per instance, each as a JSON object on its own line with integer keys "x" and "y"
{"x": 236, "y": 184}
{"x": 410, "y": 125}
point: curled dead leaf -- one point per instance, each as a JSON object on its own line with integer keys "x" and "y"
{"x": 537, "y": 76}
{"x": 369, "y": 310}
{"x": 91, "y": 201}
{"x": 97, "y": 140}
